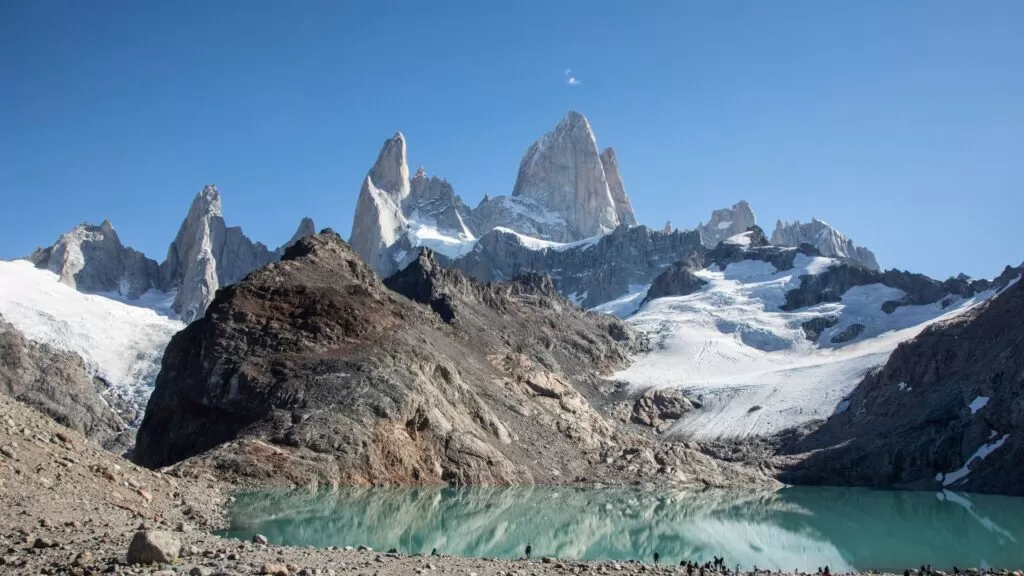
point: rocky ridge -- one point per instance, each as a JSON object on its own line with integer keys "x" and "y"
{"x": 932, "y": 414}
{"x": 829, "y": 241}
{"x": 205, "y": 255}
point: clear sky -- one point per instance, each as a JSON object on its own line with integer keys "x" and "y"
{"x": 902, "y": 123}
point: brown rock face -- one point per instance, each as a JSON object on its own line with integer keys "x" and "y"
{"x": 311, "y": 370}
{"x": 920, "y": 418}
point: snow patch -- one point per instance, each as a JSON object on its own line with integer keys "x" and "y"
{"x": 977, "y": 404}
{"x": 979, "y": 455}
{"x": 538, "y": 244}
{"x": 626, "y": 304}
{"x": 742, "y": 239}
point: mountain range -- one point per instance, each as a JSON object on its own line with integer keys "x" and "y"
{"x": 542, "y": 336}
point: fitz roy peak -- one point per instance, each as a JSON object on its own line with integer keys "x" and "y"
{"x": 565, "y": 173}
{"x": 566, "y": 190}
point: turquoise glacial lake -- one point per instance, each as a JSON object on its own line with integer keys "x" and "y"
{"x": 793, "y": 528}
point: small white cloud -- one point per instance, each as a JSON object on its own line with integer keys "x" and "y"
{"x": 570, "y": 79}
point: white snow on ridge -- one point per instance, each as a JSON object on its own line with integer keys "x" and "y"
{"x": 538, "y": 244}
{"x": 626, "y": 304}
{"x": 120, "y": 342}
{"x": 741, "y": 239}
{"x": 730, "y": 346}
{"x": 420, "y": 234}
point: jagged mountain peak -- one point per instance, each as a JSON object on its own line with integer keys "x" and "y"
{"x": 825, "y": 237}
{"x": 390, "y": 173}
{"x": 563, "y": 172}
{"x": 207, "y": 202}
{"x": 726, "y": 223}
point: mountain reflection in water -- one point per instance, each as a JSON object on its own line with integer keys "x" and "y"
{"x": 794, "y": 528}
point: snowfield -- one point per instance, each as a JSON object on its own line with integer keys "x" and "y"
{"x": 749, "y": 363}
{"x": 120, "y": 341}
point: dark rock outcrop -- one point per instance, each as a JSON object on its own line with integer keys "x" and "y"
{"x": 677, "y": 280}
{"x": 311, "y": 370}
{"x": 57, "y": 384}
{"x": 941, "y": 401}
{"x": 815, "y": 326}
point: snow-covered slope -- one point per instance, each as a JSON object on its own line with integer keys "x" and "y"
{"x": 121, "y": 341}
{"x": 749, "y": 363}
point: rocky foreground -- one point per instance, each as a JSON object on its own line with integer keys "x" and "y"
{"x": 70, "y": 507}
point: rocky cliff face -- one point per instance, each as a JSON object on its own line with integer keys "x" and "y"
{"x": 726, "y": 222}
{"x": 828, "y": 241}
{"x": 92, "y": 259}
{"x": 57, "y": 384}
{"x": 207, "y": 254}
{"x": 590, "y": 274}
{"x": 432, "y": 201}
{"x": 946, "y": 411}
{"x": 623, "y": 207}
{"x": 564, "y": 173}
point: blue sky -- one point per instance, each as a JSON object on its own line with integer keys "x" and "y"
{"x": 899, "y": 122}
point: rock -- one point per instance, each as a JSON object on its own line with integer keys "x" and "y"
{"x": 92, "y": 259}
{"x": 207, "y": 254}
{"x": 363, "y": 548}
{"x": 815, "y": 326}
{"x": 152, "y": 547}
{"x": 200, "y": 571}
{"x": 379, "y": 222}
{"x": 829, "y": 241}
{"x": 623, "y": 207}
{"x": 57, "y": 384}
{"x": 83, "y": 558}
{"x": 677, "y": 280}
{"x": 275, "y": 570}
{"x": 9, "y": 452}
{"x": 655, "y": 406}
{"x": 145, "y": 495}
{"x": 547, "y": 560}
{"x": 849, "y": 333}
{"x": 564, "y": 173}
{"x": 43, "y": 543}
{"x": 726, "y": 222}
{"x": 260, "y": 539}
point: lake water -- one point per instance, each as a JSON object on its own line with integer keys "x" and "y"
{"x": 794, "y": 528}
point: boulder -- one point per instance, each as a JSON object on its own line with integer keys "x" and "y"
{"x": 153, "y": 547}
